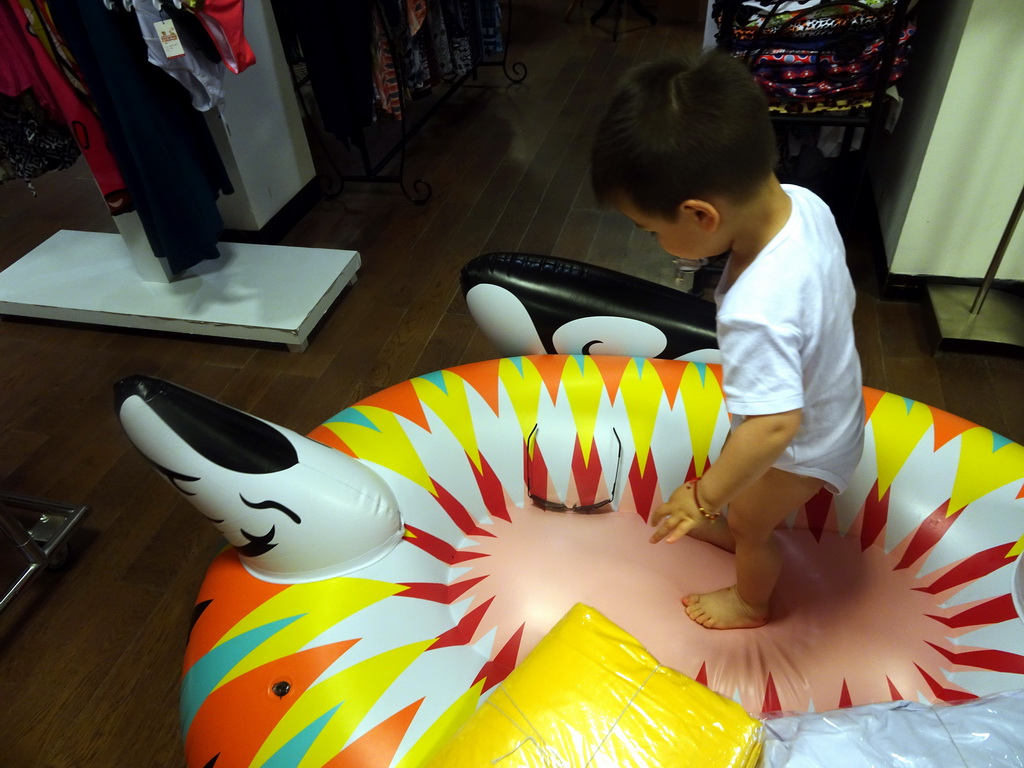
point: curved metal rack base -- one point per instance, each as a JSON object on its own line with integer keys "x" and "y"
{"x": 615, "y": 7}
{"x": 44, "y": 544}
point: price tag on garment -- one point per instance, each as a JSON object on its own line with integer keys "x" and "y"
{"x": 169, "y": 39}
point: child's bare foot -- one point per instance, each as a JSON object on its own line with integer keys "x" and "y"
{"x": 723, "y": 609}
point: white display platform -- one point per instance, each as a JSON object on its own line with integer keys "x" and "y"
{"x": 265, "y": 293}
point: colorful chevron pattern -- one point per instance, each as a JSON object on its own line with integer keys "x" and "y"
{"x": 379, "y": 668}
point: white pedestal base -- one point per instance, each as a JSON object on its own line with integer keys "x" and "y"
{"x": 252, "y": 292}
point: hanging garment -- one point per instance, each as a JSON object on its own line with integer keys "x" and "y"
{"x": 798, "y": 16}
{"x": 19, "y": 71}
{"x": 33, "y": 137}
{"x": 223, "y": 21}
{"x": 442, "y": 45}
{"x": 471, "y": 17}
{"x": 336, "y": 39}
{"x": 202, "y": 78}
{"x": 416, "y": 12}
{"x": 458, "y": 35}
{"x": 490, "y": 27}
{"x": 40, "y": 27}
{"x": 59, "y": 69}
{"x": 31, "y": 144}
{"x": 415, "y": 61}
{"x": 163, "y": 146}
{"x": 385, "y": 76}
{"x": 811, "y": 25}
{"x": 427, "y": 42}
{"x": 817, "y": 69}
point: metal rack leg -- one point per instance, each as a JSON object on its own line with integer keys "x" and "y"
{"x": 45, "y": 544}
{"x": 616, "y": 5}
{"x": 964, "y": 316}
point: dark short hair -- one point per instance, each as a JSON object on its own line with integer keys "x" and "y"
{"x": 680, "y": 129}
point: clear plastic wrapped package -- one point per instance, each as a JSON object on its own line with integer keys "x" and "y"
{"x": 982, "y": 733}
{"x": 590, "y": 695}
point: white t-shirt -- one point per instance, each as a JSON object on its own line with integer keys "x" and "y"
{"x": 785, "y": 330}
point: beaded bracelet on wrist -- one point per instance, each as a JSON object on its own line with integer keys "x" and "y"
{"x": 712, "y": 516}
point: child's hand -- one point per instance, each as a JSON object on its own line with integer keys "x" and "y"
{"x": 677, "y": 516}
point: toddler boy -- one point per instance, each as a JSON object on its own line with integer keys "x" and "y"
{"x": 687, "y": 151}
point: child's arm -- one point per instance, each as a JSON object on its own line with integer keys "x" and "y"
{"x": 749, "y": 452}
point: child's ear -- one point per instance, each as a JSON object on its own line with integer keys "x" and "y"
{"x": 705, "y": 214}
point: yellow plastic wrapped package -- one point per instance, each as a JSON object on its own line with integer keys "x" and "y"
{"x": 590, "y": 695}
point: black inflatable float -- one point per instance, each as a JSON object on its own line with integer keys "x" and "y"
{"x": 530, "y": 304}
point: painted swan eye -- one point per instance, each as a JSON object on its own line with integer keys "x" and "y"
{"x": 174, "y": 477}
{"x": 271, "y": 504}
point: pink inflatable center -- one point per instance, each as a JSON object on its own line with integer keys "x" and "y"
{"x": 849, "y": 626}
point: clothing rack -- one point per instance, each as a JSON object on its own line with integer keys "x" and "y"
{"x": 374, "y": 170}
{"x": 871, "y": 118}
{"x": 253, "y": 291}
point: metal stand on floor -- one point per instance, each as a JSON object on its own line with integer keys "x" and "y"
{"x": 965, "y": 318}
{"x": 616, "y": 6}
{"x": 45, "y": 543}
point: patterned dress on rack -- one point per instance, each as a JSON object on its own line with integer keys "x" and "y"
{"x": 36, "y": 30}
{"x": 31, "y": 143}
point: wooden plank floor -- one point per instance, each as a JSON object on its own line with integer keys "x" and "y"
{"x": 90, "y": 656}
